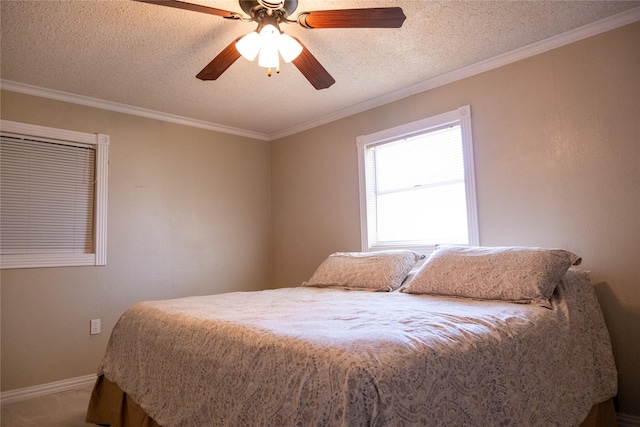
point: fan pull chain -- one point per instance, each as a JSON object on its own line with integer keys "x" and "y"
{"x": 270, "y": 72}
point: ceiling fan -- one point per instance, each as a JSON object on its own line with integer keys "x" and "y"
{"x": 268, "y": 40}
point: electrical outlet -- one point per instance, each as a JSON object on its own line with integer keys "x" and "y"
{"x": 95, "y": 326}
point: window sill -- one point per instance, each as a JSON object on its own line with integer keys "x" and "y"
{"x": 47, "y": 260}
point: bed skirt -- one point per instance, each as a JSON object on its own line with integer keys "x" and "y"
{"x": 110, "y": 406}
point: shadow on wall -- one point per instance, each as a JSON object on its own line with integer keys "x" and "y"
{"x": 625, "y": 336}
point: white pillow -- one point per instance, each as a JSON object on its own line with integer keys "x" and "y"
{"x": 378, "y": 271}
{"x": 516, "y": 274}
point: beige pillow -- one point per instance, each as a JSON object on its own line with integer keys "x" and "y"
{"x": 515, "y": 274}
{"x": 378, "y": 271}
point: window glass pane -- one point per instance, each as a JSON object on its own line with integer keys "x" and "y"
{"x": 47, "y": 202}
{"x": 419, "y": 193}
{"x": 433, "y": 157}
{"x": 426, "y": 216}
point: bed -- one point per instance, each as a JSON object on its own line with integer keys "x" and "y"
{"x": 370, "y": 341}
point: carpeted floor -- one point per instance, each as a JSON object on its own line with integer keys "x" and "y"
{"x": 64, "y": 409}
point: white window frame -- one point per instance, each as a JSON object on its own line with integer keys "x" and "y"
{"x": 101, "y": 143}
{"x": 461, "y": 116}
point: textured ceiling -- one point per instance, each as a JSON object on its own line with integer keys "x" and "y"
{"x": 147, "y": 56}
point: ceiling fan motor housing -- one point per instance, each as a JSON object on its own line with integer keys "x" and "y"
{"x": 250, "y": 7}
{"x": 272, "y": 4}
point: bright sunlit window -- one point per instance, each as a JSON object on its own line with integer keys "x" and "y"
{"x": 417, "y": 185}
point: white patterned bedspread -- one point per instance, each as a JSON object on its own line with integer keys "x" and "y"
{"x": 326, "y": 357}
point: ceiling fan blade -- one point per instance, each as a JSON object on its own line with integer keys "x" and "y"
{"x": 220, "y": 63}
{"x": 312, "y": 69}
{"x": 378, "y": 17}
{"x": 195, "y": 8}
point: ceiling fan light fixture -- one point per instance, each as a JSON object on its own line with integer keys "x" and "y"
{"x": 269, "y": 37}
{"x": 249, "y": 46}
{"x": 266, "y": 45}
{"x": 268, "y": 57}
{"x": 289, "y": 48}
{"x": 269, "y": 43}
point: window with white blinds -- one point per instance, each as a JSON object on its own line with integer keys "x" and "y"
{"x": 52, "y": 197}
{"x": 417, "y": 185}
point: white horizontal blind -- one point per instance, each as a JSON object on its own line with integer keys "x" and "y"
{"x": 47, "y": 196}
{"x": 419, "y": 190}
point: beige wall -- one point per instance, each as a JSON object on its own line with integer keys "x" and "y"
{"x": 557, "y": 156}
{"x": 188, "y": 214}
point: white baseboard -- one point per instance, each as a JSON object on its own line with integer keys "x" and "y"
{"x": 27, "y": 393}
{"x": 625, "y": 420}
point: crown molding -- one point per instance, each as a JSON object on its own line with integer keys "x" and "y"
{"x": 610, "y": 23}
{"x": 126, "y": 109}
